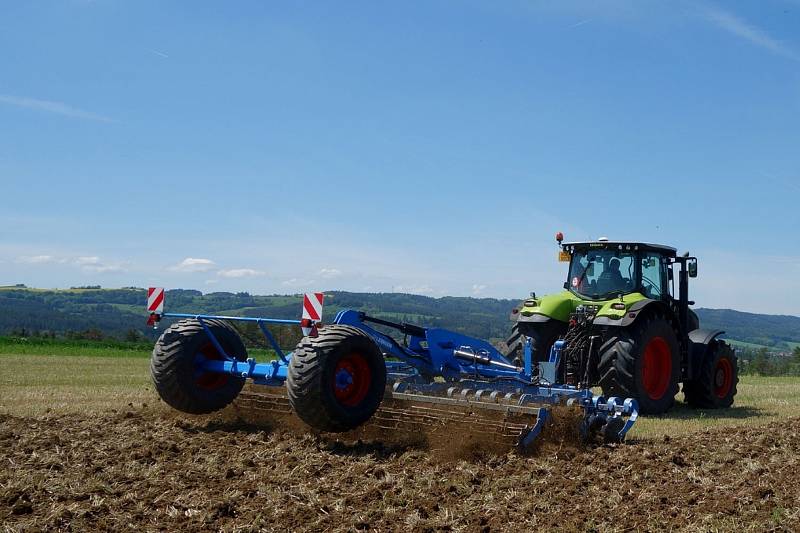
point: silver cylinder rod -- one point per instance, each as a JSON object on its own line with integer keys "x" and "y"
{"x": 467, "y": 354}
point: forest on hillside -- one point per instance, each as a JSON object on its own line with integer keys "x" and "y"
{"x": 120, "y": 314}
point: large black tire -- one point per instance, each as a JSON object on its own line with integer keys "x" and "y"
{"x": 317, "y": 382}
{"x": 543, "y": 335}
{"x": 715, "y": 385}
{"x": 642, "y": 362}
{"x": 173, "y": 366}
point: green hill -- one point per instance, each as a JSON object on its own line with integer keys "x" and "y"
{"x": 114, "y": 312}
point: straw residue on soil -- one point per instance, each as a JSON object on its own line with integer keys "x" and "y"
{"x": 147, "y": 469}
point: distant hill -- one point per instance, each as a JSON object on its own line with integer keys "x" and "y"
{"x": 117, "y": 311}
{"x": 779, "y": 332}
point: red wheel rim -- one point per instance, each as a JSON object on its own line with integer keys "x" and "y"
{"x": 210, "y": 380}
{"x": 656, "y": 368}
{"x": 723, "y": 378}
{"x": 351, "y": 379}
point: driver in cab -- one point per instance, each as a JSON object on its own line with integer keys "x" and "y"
{"x": 611, "y": 279}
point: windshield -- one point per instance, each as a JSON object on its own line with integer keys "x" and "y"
{"x": 599, "y": 274}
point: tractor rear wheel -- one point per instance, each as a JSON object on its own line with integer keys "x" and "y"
{"x": 176, "y": 372}
{"x": 336, "y": 380}
{"x": 642, "y": 362}
{"x": 543, "y": 335}
{"x": 715, "y": 385}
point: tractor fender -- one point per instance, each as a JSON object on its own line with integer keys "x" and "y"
{"x": 699, "y": 340}
{"x": 631, "y": 314}
{"x": 535, "y": 317}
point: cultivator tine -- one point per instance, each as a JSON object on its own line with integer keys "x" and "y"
{"x": 394, "y": 414}
{"x": 259, "y": 401}
{"x": 520, "y": 422}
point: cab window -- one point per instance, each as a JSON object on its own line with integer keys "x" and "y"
{"x": 652, "y": 276}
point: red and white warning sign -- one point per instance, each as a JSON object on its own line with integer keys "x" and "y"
{"x": 155, "y": 300}
{"x": 312, "y": 311}
{"x": 312, "y": 305}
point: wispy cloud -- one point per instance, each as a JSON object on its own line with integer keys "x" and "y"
{"x": 240, "y": 273}
{"x": 93, "y": 264}
{"x": 48, "y": 106}
{"x": 85, "y": 263}
{"x": 425, "y": 290}
{"x": 193, "y": 264}
{"x": 295, "y": 282}
{"x": 159, "y": 54}
{"x": 329, "y": 273}
{"x": 36, "y": 259}
{"x": 581, "y": 23}
{"x": 744, "y": 30}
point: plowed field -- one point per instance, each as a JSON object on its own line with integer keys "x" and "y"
{"x": 146, "y": 468}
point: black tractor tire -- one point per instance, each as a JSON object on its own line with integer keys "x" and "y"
{"x": 715, "y": 385}
{"x": 174, "y": 372}
{"x": 543, "y": 335}
{"x": 317, "y": 395}
{"x": 643, "y": 362}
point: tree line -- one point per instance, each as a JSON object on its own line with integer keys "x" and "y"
{"x": 761, "y": 362}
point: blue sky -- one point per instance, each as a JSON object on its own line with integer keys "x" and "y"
{"x": 428, "y": 147}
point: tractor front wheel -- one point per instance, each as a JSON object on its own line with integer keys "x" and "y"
{"x": 642, "y": 362}
{"x": 336, "y": 380}
{"x": 715, "y": 385}
{"x": 543, "y": 335}
{"x": 177, "y": 372}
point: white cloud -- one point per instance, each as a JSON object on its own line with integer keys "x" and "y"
{"x": 425, "y": 290}
{"x": 329, "y": 273}
{"x": 240, "y": 273}
{"x": 49, "y": 106}
{"x": 295, "y": 282}
{"x": 212, "y": 281}
{"x": 86, "y": 263}
{"x": 744, "y": 30}
{"x": 103, "y": 269}
{"x": 36, "y": 259}
{"x": 193, "y": 264}
{"x": 92, "y": 263}
{"x": 478, "y": 289}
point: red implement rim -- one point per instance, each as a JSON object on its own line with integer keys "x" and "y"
{"x": 351, "y": 379}
{"x": 723, "y": 378}
{"x": 210, "y": 380}
{"x": 656, "y": 368}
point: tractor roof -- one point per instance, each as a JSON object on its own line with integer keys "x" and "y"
{"x": 621, "y": 245}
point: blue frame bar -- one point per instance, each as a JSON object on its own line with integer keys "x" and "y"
{"x": 286, "y": 321}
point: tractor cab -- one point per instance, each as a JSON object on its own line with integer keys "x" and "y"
{"x": 602, "y": 270}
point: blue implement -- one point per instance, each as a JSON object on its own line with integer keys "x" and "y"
{"x": 440, "y": 367}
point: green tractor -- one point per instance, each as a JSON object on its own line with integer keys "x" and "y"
{"x": 626, "y": 330}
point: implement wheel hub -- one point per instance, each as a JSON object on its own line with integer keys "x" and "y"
{"x": 656, "y": 368}
{"x": 723, "y": 378}
{"x": 352, "y": 379}
{"x": 210, "y": 380}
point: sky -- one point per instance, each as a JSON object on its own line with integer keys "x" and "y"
{"x": 428, "y": 147}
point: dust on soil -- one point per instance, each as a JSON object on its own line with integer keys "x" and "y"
{"x": 151, "y": 469}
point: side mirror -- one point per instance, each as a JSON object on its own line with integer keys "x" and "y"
{"x": 566, "y": 285}
{"x": 692, "y": 267}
